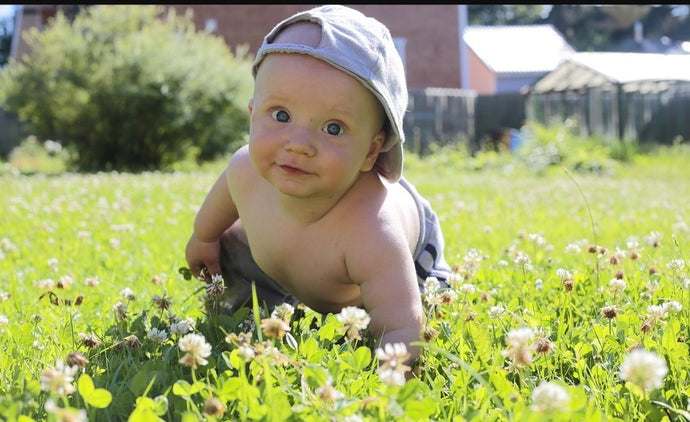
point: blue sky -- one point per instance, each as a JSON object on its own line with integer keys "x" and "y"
{"x": 6, "y": 10}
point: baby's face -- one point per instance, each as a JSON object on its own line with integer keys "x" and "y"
{"x": 313, "y": 127}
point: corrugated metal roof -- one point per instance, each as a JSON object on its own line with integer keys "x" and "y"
{"x": 596, "y": 69}
{"x": 629, "y": 67}
{"x": 518, "y": 49}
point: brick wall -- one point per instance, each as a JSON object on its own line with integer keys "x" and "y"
{"x": 431, "y": 31}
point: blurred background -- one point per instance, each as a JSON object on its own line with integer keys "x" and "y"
{"x": 477, "y": 74}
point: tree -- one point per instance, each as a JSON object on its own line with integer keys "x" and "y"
{"x": 591, "y": 27}
{"x": 504, "y": 14}
{"x": 130, "y": 88}
{"x": 5, "y": 40}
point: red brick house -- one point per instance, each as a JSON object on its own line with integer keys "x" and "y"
{"x": 427, "y": 36}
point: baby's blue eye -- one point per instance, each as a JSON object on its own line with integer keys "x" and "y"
{"x": 281, "y": 116}
{"x": 334, "y": 129}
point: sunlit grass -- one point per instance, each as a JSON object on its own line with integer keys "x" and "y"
{"x": 86, "y": 259}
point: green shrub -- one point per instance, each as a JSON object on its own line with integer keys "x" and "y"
{"x": 33, "y": 157}
{"x": 130, "y": 88}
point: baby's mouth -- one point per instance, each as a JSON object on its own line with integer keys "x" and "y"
{"x": 292, "y": 170}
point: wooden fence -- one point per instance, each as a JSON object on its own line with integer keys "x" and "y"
{"x": 9, "y": 132}
{"x": 438, "y": 115}
{"x": 660, "y": 116}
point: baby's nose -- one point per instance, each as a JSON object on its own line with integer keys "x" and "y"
{"x": 300, "y": 142}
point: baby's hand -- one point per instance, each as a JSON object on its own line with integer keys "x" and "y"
{"x": 203, "y": 257}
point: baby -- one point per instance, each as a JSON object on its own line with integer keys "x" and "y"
{"x": 314, "y": 209}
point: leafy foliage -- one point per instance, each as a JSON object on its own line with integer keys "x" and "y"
{"x": 126, "y": 88}
{"x": 591, "y": 27}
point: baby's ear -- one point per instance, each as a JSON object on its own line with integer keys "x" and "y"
{"x": 250, "y": 106}
{"x": 374, "y": 150}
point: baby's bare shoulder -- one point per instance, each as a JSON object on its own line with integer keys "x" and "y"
{"x": 239, "y": 160}
{"x": 240, "y": 170}
{"x": 380, "y": 213}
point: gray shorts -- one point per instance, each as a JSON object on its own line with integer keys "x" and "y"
{"x": 240, "y": 269}
{"x": 429, "y": 260}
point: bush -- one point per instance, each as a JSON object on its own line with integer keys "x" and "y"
{"x": 33, "y": 157}
{"x": 130, "y": 88}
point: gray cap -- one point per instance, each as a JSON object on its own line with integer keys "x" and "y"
{"x": 362, "y": 47}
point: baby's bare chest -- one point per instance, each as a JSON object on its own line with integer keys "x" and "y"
{"x": 312, "y": 268}
{"x": 297, "y": 257}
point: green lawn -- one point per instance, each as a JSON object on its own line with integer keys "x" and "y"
{"x": 82, "y": 258}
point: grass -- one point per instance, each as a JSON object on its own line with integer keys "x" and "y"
{"x": 86, "y": 259}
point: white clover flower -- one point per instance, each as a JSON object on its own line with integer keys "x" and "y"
{"x": 4, "y": 320}
{"x": 447, "y": 296}
{"x": 120, "y": 310}
{"x": 128, "y": 294}
{"x": 66, "y": 414}
{"x": 496, "y": 311}
{"x": 392, "y": 358}
{"x": 355, "y": 320}
{"x": 537, "y": 239}
{"x": 92, "y": 281}
{"x": 283, "y": 311}
{"x": 46, "y": 284}
{"x": 522, "y": 259}
{"x": 472, "y": 260}
{"x": 65, "y": 281}
{"x": 247, "y": 353}
{"x": 672, "y": 306}
{"x": 454, "y": 278}
{"x": 645, "y": 369}
{"x": 654, "y": 239}
{"x": 676, "y": 265}
{"x": 7, "y": 245}
{"x": 467, "y": 288}
{"x": 274, "y": 327}
{"x": 114, "y": 243}
{"x": 59, "y": 378}
{"x": 685, "y": 281}
{"x": 197, "y": 350}
{"x": 617, "y": 285}
{"x": 432, "y": 298}
{"x": 157, "y": 336}
{"x": 520, "y": 337}
{"x": 391, "y": 377}
{"x": 431, "y": 285}
{"x": 181, "y": 327}
{"x": 619, "y": 253}
{"x": 657, "y": 312}
{"x": 573, "y": 248}
{"x": 549, "y": 396}
{"x": 327, "y": 392}
{"x": 519, "y": 341}
{"x": 564, "y": 274}
{"x": 216, "y": 287}
{"x": 681, "y": 226}
{"x": 473, "y": 257}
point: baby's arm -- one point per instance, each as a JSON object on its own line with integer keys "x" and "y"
{"x": 216, "y": 214}
{"x": 384, "y": 268}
